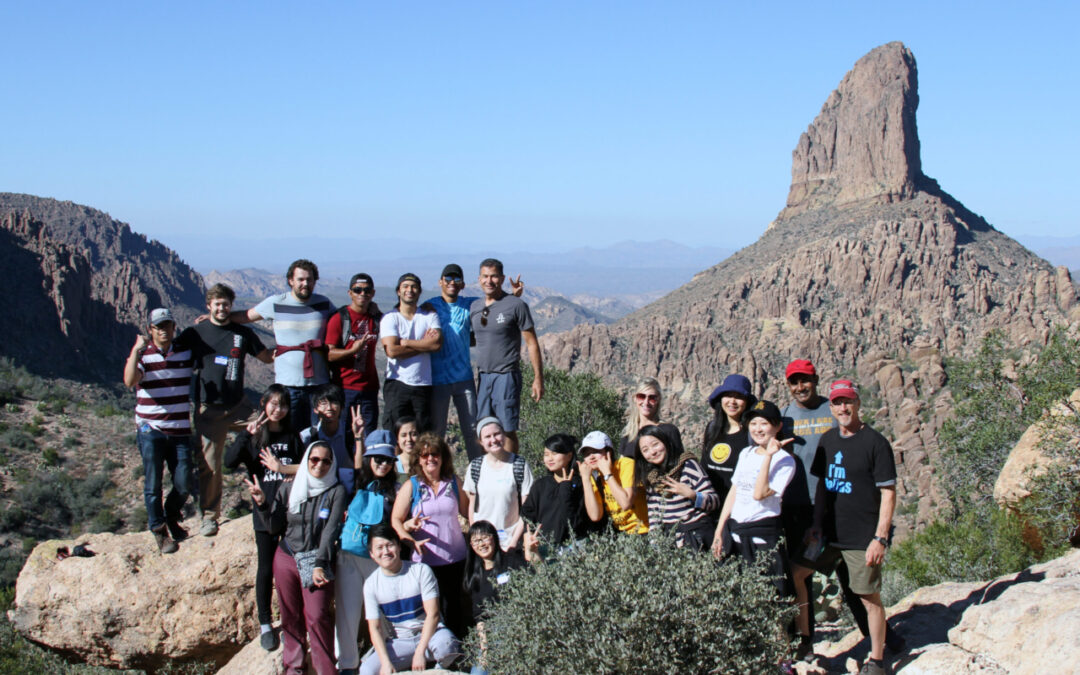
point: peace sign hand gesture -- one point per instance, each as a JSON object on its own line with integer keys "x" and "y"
{"x": 257, "y": 423}
{"x": 357, "y": 423}
{"x": 257, "y": 494}
{"x": 563, "y": 475}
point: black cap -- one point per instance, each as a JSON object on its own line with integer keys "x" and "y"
{"x": 766, "y": 409}
{"x": 361, "y": 276}
{"x": 408, "y": 276}
{"x": 453, "y": 270}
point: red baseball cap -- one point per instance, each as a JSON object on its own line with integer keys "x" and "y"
{"x": 800, "y": 366}
{"x": 843, "y": 389}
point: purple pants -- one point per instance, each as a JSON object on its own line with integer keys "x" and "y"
{"x": 304, "y": 615}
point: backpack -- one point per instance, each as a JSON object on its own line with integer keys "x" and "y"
{"x": 365, "y": 511}
{"x": 415, "y": 482}
{"x": 519, "y": 478}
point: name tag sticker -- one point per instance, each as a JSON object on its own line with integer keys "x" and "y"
{"x": 324, "y": 513}
{"x": 503, "y": 578}
{"x": 221, "y": 360}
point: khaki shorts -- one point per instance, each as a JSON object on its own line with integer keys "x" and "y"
{"x": 864, "y": 580}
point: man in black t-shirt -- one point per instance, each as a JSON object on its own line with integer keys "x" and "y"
{"x": 218, "y": 347}
{"x": 856, "y": 466}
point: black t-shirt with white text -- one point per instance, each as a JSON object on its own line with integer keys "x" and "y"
{"x": 219, "y": 353}
{"x": 854, "y": 469}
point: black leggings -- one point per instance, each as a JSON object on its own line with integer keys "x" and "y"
{"x": 454, "y": 603}
{"x": 265, "y": 544}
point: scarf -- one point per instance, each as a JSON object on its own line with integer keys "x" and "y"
{"x": 655, "y": 478}
{"x": 305, "y": 486}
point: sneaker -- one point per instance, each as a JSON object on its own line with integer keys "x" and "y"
{"x": 209, "y": 528}
{"x": 176, "y": 530}
{"x": 871, "y": 668}
{"x": 268, "y": 641}
{"x": 164, "y": 544}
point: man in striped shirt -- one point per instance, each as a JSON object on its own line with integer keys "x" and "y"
{"x": 160, "y": 372}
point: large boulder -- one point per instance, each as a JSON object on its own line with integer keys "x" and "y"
{"x": 131, "y": 607}
{"x": 1020, "y": 624}
{"x": 1028, "y": 457}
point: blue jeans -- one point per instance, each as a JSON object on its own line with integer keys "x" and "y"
{"x": 464, "y": 396}
{"x": 159, "y": 450}
{"x": 369, "y": 409}
{"x": 301, "y": 412}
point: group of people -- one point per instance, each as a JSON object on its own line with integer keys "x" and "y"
{"x": 358, "y": 515}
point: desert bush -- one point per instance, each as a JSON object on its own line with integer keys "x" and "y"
{"x": 51, "y": 457}
{"x": 636, "y": 604}
{"x": 572, "y": 404}
{"x": 52, "y": 502}
{"x": 18, "y": 439}
{"x": 982, "y": 543}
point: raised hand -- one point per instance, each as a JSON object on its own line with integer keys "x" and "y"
{"x": 563, "y": 475}
{"x": 357, "y": 423}
{"x": 681, "y": 489}
{"x": 141, "y": 342}
{"x": 532, "y": 539}
{"x": 257, "y": 494}
{"x": 603, "y": 462}
{"x": 517, "y": 287}
{"x": 415, "y": 523}
{"x": 268, "y": 460}
{"x": 774, "y": 445}
{"x": 257, "y": 423}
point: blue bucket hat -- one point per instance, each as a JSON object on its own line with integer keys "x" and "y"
{"x": 732, "y": 384}
{"x": 379, "y": 443}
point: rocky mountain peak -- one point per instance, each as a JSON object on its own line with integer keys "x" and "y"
{"x": 864, "y": 143}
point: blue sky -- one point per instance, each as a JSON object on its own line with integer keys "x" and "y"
{"x": 581, "y": 123}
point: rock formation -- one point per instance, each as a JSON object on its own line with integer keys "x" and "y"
{"x": 1024, "y": 623}
{"x": 871, "y": 271}
{"x": 131, "y": 607}
{"x": 87, "y": 278}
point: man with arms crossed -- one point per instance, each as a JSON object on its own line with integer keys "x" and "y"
{"x": 409, "y": 335}
{"x": 499, "y": 323}
{"x": 858, "y": 471}
{"x": 219, "y": 347}
{"x": 407, "y": 595}
{"x": 299, "y": 318}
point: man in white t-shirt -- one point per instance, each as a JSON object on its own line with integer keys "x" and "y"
{"x": 406, "y": 595}
{"x": 409, "y": 335}
{"x": 497, "y": 484}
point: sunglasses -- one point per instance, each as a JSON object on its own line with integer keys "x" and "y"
{"x": 484, "y": 316}
{"x": 382, "y": 460}
{"x": 315, "y": 461}
{"x": 363, "y": 290}
{"x": 651, "y": 398}
{"x": 436, "y": 455}
{"x": 453, "y": 280}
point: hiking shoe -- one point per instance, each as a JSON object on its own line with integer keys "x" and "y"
{"x": 871, "y": 668}
{"x": 164, "y": 544}
{"x": 176, "y": 530}
{"x": 268, "y": 641}
{"x": 805, "y": 650}
{"x": 209, "y": 527}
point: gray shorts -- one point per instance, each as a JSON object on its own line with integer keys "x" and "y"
{"x": 864, "y": 580}
{"x": 499, "y": 395}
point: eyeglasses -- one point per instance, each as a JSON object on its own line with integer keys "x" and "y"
{"x": 651, "y": 398}
{"x": 453, "y": 280}
{"x": 482, "y": 539}
{"x": 484, "y": 316}
{"x": 381, "y": 461}
{"x": 315, "y": 461}
{"x": 363, "y": 290}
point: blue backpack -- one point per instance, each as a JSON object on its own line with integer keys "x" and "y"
{"x": 365, "y": 510}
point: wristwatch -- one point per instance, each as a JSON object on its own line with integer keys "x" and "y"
{"x": 882, "y": 540}
{"x": 608, "y": 477}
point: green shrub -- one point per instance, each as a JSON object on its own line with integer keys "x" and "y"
{"x": 982, "y": 543}
{"x": 636, "y": 604}
{"x": 572, "y": 404}
{"x": 51, "y": 457}
{"x": 17, "y": 439}
{"x": 71, "y": 441}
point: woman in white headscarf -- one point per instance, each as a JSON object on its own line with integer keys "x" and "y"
{"x": 309, "y": 510}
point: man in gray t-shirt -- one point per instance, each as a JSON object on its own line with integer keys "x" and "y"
{"x": 500, "y": 323}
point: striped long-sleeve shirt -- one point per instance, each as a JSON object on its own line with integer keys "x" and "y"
{"x": 163, "y": 395}
{"x": 672, "y": 510}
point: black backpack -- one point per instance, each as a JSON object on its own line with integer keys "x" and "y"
{"x": 519, "y": 478}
